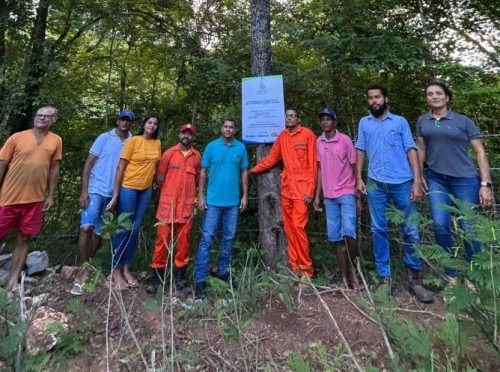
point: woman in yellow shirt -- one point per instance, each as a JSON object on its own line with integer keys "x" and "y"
{"x": 131, "y": 194}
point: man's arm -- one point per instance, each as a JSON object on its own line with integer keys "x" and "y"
{"x": 270, "y": 160}
{"x": 316, "y": 202}
{"x": 201, "y": 189}
{"x": 162, "y": 169}
{"x": 416, "y": 189}
{"x": 53, "y": 179}
{"x": 312, "y": 159}
{"x": 244, "y": 189}
{"x": 3, "y": 169}
{"x": 360, "y": 163}
{"x": 87, "y": 168}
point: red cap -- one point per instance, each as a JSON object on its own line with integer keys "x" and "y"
{"x": 188, "y": 126}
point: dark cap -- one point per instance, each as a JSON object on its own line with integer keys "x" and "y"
{"x": 188, "y": 126}
{"x": 328, "y": 111}
{"x": 126, "y": 114}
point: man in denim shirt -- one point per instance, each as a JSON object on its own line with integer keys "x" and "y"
{"x": 393, "y": 175}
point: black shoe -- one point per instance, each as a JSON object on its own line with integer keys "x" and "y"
{"x": 200, "y": 292}
{"x": 228, "y": 278}
{"x": 181, "y": 284}
{"x": 416, "y": 288}
{"x": 155, "y": 280}
{"x": 385, "y": 285}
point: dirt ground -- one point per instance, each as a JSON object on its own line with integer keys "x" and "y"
{"x": 217, "y": 335}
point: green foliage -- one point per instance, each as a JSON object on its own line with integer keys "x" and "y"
{"x": 297, "y": 363}
{"x": 12, "y": 329}
{"x": 411, "y": 343}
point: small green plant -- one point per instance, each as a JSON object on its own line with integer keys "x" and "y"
{"x": 297, "y": 363}
{"x": 12, "y": 328}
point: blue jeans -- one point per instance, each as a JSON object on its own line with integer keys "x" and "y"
{"x": 136, "y": 203}
{"x": 440, "y": 189}
{"x": 341, "y": 217}
{"x": 92, "y": 215}
{"x": 379, "y": 196}
{"x": 211, "y": 221}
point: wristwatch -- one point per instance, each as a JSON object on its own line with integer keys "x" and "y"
{"x": 486, "y": 183}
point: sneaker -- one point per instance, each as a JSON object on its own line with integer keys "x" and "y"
{"x": 417, "y": 289}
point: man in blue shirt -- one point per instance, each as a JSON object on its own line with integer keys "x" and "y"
{"x": 393, "y": 175}
{"x": 98, "y": 178}
{"x": 225, "y": 162}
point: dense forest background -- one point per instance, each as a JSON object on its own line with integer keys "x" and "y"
{"x": 184, "y": 60}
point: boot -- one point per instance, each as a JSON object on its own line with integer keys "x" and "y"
{"x": 228, "y": 278}
{"x": 385, "y": 285}
{"x": 200, "y": 291}
{"x": 156, "y": 279}
{"x": 343, "y": 263}
{"x": 416, "y": 288}
{"x": 181, "y": 285}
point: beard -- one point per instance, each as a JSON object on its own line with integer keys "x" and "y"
{"x": 185, "y": 142}
{"x": 378, "y": 111}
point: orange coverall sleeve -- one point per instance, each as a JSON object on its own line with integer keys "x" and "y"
{"x": 313, "y": 160}
{"x": 270, "y": 160}
{"x": 162, "y": 167}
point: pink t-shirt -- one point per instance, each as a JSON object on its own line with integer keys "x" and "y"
{"x": 336, "y": 157}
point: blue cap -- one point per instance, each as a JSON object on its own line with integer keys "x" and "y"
{"x": 126, "y": 114}
{"x": 328, "y": 111}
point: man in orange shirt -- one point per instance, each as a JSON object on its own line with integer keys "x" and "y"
{"x": 296, "y": 147}
{"x": 177, "y": 176}
{"x": 29, "y": 161}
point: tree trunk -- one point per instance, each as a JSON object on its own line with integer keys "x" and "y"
{"x": 272, "y": 237}
{"x": 36, "y": 70}
{"x": 4, "y": 19}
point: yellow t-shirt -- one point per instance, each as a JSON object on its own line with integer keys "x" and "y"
{"x": 143, "y": 156}
{"x": 26, "y": 178}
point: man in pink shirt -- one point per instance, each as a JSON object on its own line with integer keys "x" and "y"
{"x": 337, "y": 179}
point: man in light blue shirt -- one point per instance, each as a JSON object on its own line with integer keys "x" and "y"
{"x": 97, "y": 188}
{"x": 393, "y": 176}
{"x": 225, "y": 161}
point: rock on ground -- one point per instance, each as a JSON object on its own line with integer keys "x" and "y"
{"x": 43, "y": 330}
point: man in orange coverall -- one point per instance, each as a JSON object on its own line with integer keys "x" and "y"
{"x": 296, "y": 147}
{"x": 177, "y": 176}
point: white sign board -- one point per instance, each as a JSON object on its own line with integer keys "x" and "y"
{"x": 263, "y": 108}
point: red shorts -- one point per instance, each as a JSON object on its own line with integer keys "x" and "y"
{"x": 26, "y": 217}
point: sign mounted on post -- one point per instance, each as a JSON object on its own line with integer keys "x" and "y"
{"x": 263, "y": 108}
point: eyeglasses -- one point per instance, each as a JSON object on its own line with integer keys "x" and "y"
{"x": 437, "y": 123}
{"x": 44, "y": 116}
{"x": 291, "y": 116}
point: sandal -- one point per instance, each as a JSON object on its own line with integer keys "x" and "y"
{"x": 77, "y": 289}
